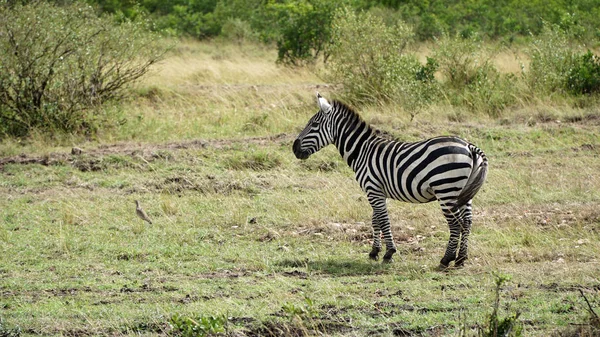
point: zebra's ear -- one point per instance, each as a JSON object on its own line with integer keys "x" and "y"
{"x": 323, "y": 104}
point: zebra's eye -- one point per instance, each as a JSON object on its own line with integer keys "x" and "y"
{"x": 314, "y": 124}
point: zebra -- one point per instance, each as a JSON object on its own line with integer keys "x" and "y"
{"x": 447, "y": 169}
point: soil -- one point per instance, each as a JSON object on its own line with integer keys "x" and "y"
{"x": 136, "y": 149}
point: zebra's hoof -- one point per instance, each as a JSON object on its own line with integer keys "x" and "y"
{"x": 387, "y": 258}
{"x": 446, "y": 261}
{"x": 374, "y": 254}
{"x": 442, "y": 267}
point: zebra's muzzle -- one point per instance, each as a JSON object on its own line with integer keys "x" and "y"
{"x": 300, "y": 154}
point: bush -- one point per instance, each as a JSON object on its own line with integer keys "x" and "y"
{"x": 238, "y": 30}
{"x": 303, "y": 29}
{"x": 557, "y": 66}
{"x": 584, "y": 75}
{"x": 370, "y": 60}
{"x": 470, "y": 78}
{"x": 551, "y": 57}
{"x": 463, "y": 61}
{"x": 57, "y": 64}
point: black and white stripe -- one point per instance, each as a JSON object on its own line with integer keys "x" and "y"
{"x": 447, "y": 169}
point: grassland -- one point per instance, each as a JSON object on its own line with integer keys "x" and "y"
{"x": 243, "y": 230}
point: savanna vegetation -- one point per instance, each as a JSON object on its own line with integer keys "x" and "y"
{"x": 248, "y": 241}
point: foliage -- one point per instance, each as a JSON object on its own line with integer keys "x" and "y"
{"x": 305, "y": 311}
{"x": 584, "y": 76}
{"x": 238, "y": 30}
{"x": 198, "y": 327}
{"x": 551, "y": 56}
{"x": 558, "y": 66}
{"x": 495, "y": 19}
{"x": 507, "y": 326}
{"x": 470, "y": 78}
{"x": 191, "y": 20}
{"x": 371, "y": 61}
{"x": 303, "y": 29}
{"x": 59, "y": 63}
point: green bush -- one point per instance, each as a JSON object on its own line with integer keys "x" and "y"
{"x": 584, "y": 76}
{"x": 370, "y": 60}
{"x": 551, "y": 57}
{"x": 238, "y": 30}
{"x": 558, "y": 66}
{"x": 470, "y": 78}
{"x": 302, "y": 29}
{"x": 57, "y": 64}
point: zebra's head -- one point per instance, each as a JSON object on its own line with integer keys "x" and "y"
{"x": 317, "y": 132}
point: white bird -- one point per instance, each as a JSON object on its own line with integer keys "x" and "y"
{"x": 140, "y": 212}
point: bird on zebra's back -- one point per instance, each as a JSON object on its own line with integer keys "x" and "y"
{"x": 141, "y": 213}
{"x": 447, "y": 169}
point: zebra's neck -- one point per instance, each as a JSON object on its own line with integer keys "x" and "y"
{"x": 351, "y": 133}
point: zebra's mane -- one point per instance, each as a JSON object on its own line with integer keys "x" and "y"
{"x": 350, "y": 113}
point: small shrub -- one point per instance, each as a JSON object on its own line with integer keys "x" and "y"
{"x": 426, "y": 73}
{"x": 591, "y": 328}
{"x": 496, "y": 326}
{"x": 304, "y": 311}
{"x": 199, "y": 326}
{"x": 584, "y": 76}
{"x": 462, "y": 61}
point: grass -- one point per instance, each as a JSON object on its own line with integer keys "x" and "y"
{"x": 278, "y": 246}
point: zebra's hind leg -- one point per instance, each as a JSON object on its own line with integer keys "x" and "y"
{"x": 455, "y": 231}
{"x": 374, "y": 254}
{"x": 466, "y": 217}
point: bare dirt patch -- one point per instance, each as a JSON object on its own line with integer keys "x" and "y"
{"x": 89, "y": 159}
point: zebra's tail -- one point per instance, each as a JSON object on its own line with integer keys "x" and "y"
{"x": 475, "y": 180}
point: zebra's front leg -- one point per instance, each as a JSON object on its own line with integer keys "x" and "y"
{"x": 374, "y": 254}
{"x": 381, "y": 225}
